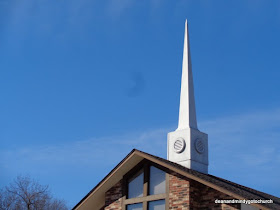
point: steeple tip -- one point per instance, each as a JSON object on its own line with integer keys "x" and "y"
{"x": 187, "y": 113}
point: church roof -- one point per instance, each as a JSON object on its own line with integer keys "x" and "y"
{"x": 135, "y": 156}
{"x": 243, "y": 191}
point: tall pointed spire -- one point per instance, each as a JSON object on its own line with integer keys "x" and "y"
{"x": 187, "y": 145}
{"x": 187, "y": 113}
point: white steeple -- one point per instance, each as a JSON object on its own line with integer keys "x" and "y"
{"x": 187, "y": 145}
{"x": 187, "y": 114}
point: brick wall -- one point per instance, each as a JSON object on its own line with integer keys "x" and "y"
{"x": 184, "y": 194}
{"x": 113, "y": 197}
{"x": 204, "y": 197}
{"x": 187, "y": 194}
{"x": 179, "y": 192}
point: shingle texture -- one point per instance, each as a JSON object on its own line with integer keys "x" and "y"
{"x": 240, "y": 190}
{"x": 245, "y": 192}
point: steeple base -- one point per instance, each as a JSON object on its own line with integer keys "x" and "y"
{"x": 188, "y": 147}
{"x": 194, "y": 166}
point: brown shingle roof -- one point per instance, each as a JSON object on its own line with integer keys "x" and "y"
{"x": 236, "y": 189}
{"x": 241, "y": 190}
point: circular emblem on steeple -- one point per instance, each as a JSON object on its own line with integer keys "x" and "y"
{"x": 199, "y": 146}
{"x": 179, "y": 145}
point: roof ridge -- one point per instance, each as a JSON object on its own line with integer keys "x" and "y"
{"x": 232, "y": 187}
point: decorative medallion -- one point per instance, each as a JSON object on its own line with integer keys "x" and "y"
{"x": 179, "y": 145}
{"x": 199, "y": 146}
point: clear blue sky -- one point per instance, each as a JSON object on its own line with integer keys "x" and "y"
{"x": 84, "y": 82}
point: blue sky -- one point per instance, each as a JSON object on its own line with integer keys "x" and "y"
{"x": 84, "y": 82}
